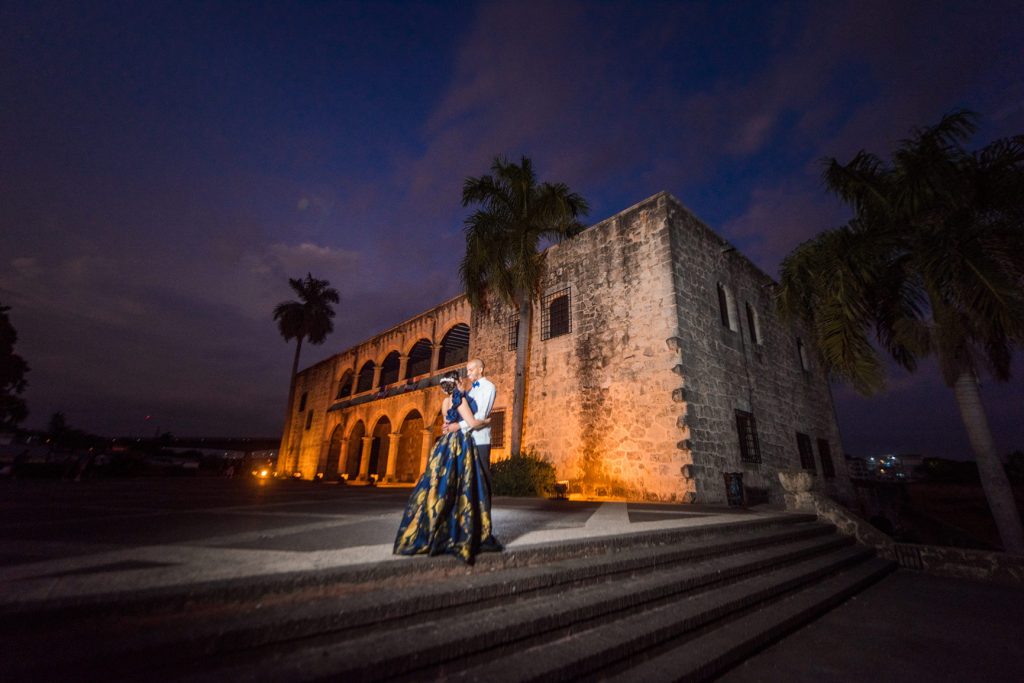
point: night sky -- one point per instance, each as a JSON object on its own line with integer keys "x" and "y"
{"x": 165, "y": 167}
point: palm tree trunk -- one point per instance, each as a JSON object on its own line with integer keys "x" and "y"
{"x": 519, "y": 388}
{"x": 993, "y": 477}
{"x": 284, "y": 453}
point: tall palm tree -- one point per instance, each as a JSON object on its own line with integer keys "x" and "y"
{"x": 503, "y": 258}
{"x": 308, "y": 318}
{"x": 932, "y": 263}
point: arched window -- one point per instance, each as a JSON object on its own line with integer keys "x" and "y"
{"x": 345, "y": 385}
{"x": 455, "y": 346}
{"x": 802, "y": 353}
{"x": 754, "y": 323}
{"x": 389, "y": 369}
{"x": 727, "y": 308}
{"x": 365, "y": 382}
{"x": 419, "y": 359}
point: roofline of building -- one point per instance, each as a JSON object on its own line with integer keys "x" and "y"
{"x": 653, "y": 199}
{"x": 383, "y": 332}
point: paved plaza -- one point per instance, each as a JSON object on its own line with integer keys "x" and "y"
{"x": 60, "y": 539}
{"x": 63, "y": 541}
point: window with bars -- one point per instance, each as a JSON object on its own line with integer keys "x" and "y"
{"x": 825, "y": 455}
{"x": 803, "y": 444}
{"x": 497, "y": 429}
{"x": 513, "y": 333}
{"x": 556, "y": 314}
{"x": 746, "y": 427}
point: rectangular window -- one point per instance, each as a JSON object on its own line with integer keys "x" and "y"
{"x": 309, "y": 420}
{"x": 803, "y": 444}
{"x": 802, "y": 352}
{"x": 750, "y": 449}
{"x": 497, "y": 429}
{"x": 825, "y": 455}
{"x": 302, "y": 401}
{"x": 513, "y": 333}
{"x": 556, "y": 318}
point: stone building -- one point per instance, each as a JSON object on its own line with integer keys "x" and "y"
{"x": 656, "y": 364}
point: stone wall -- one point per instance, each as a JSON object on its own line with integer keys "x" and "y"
{"x": 725, "y": 370}
{"x": 637, "y": 400}
{"x": 308, "y": 425}
{"x": 599, "y": 399}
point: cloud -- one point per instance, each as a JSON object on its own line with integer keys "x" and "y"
{"x": 311, "y": 257}
{"x": 778, "y": 218}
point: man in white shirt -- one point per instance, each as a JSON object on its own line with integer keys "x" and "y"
{"x": 482, "y": 394}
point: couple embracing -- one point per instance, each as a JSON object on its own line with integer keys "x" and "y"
{"x": 449, "y": 510}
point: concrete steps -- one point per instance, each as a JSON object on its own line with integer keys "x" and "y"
{"x": 585, "y": 611}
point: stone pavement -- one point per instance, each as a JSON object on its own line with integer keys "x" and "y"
{"x": 64, "y": 540}
{"x": 908, "y": 627}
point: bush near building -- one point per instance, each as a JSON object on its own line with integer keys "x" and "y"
{"x": 527, "y": 475}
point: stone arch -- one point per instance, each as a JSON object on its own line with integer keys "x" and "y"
{"x": 389, "y": 368}
{"x": 419, "y": 358}
{"x": 410, "y": 445}
{"x": 333, "y": 466}
{"x": 454, "y": 346}
{"x": 356, "y": 424}
{"x": 435, "y": 426}
{"x": 379, "y": 446}
{"x": 389, "y": 350}
{"x": 345, "y": 384}
{"x": 355, "y": 446}
{"x": 365, "y": 382}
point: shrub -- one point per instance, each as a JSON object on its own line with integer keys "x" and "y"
{"x": 526, "y": 475}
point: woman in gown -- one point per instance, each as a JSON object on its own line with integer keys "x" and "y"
{"x": 449, "y": 511}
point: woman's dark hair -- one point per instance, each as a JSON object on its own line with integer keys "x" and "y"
{"x": 449, "y": 382}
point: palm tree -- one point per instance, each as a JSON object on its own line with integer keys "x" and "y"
{"x": 503, "y": 258}
{"x": 932, "y": 263}
{"x": 308, "y": 318}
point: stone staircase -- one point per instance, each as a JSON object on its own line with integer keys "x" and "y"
{"x": 684, "y": 604}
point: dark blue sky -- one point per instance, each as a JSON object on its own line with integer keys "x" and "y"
{"x": 164, "y": 167}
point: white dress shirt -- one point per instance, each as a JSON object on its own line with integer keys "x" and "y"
{"x": 482, "y": 394}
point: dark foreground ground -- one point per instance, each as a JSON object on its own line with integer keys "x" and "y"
{"x": 62, "y": 540}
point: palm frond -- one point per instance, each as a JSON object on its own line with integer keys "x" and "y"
{"x": 503, "y": 234}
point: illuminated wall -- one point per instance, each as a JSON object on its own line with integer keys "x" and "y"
{"x": 654, "y": 345}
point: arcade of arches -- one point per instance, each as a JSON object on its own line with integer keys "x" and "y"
{"x": 375, "y": 417}
{"x": 383, "y": 454}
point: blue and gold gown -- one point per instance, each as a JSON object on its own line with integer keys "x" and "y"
{"x": 449, "y": 511}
